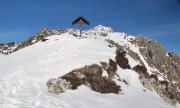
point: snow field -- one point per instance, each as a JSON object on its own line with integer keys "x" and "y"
{"x": 24, "y": 74}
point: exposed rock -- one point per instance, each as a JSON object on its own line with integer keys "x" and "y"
{"x": 44, "y": 32}
{"x": 100, "y": 30}
{"x": 156, "y": 56}
{"x": 142, "y": 71}
{"x": 146, "y": 83}
{"x": 164, "y": 93}
{"x": 58, "y": 86}
{"x": 150, "y": 53}
{"x": 90, "y": 76}
{"x": 151, "y": 83}
{"x": 43, "y": 40}
{"x": 154, "y": 77}
{"x": 113, "y": 65}
{"x": 172, "y": 54}
{"x": 112, "y": 68}
{"x": 104, "y": 34}
{"x": 123, "y": 62}
{"x": 161, "y": 88}
{"x": 104, "y": 65}
{"x": 131, "y": 53}
{"x": 151, "y": 50}
{"x": 8, "y": 48}
{"x": 167, "y": 64}
{"x": 26, "y": 43}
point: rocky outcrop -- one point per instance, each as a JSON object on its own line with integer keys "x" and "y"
{"x": 121, "y": 60}
{"x": 111, "y": 69}
{"x": 91, "y": 76}
{"x": 167, "y": 64}
{"x": 8, "y": 48}
{"x": 142, "y": 71}
{"x": 161, "y": 88}
{"x": 58, "y": 85}
{"x": 43, "y": 33}
{"x": 151, "y": 50}
{"x": 99, "y": 30}
{"x": 96, "y": 31}
{"x": 151, "y": 83}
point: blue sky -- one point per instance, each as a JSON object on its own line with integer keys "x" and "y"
{"x": 155, "y": 19}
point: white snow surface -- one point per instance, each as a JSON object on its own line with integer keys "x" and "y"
{"x": 2, "y": 55}
{"x": 24, "y": 74}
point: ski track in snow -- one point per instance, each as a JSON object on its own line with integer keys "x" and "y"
{"x": 24, "y": 74}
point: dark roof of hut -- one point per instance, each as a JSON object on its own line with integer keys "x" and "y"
{"x": 81, "y": 20}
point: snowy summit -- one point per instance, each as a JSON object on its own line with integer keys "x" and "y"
{"x": 55, "y": 53}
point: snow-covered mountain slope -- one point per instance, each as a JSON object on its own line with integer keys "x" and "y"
{"x": 2, "y": 56}
{"x": 24, "y": 74}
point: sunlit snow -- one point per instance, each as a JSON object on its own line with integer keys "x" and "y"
{"x": 24, "y": 74}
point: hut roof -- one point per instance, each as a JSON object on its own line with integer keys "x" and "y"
{"x": 80, "y": 20}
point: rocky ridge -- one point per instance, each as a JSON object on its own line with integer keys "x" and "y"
{"x": 167, "y": 64}
{"x": 8, "y": 48}
{"x": 45, "y": 32}
{"x": 164, "y": 67}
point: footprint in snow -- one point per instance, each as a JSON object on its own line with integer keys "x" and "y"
{"x": 13, "y": 89}
{"x": 12, "y": 100}
{"x": 37, "y": 103}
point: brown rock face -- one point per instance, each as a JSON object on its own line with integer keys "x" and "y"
{"x": 113, "y": 64}
{"x": 142, "y": 71}
{"x": 91, "y": 76}
{"x": 123, "y": 62}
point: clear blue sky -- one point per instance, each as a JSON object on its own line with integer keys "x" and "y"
{"x": 155, "y": 19}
